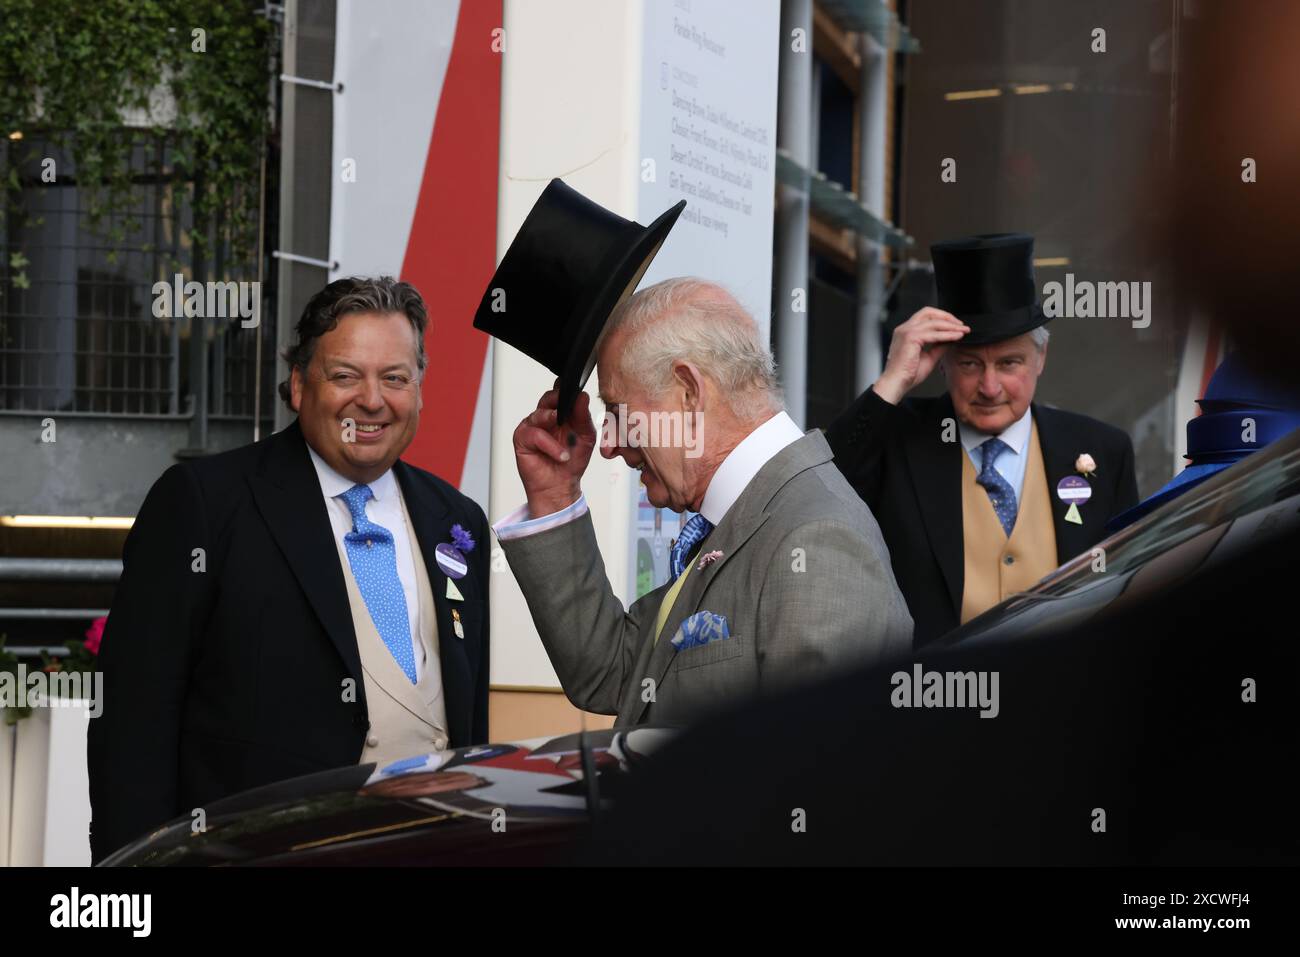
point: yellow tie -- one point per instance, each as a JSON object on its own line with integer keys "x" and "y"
{"x": 666, "y": 606}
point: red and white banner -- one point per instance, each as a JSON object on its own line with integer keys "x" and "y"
{"x": 415, "y": 160}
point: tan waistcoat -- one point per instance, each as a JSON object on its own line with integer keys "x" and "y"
{"x": 405, "y": 719}
{"x": 998, "y": 566}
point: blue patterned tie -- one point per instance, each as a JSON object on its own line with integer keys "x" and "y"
{"x": 696, "y": 528}
{"x": 373, "y": 558}
{"x": 1001, "y": 494}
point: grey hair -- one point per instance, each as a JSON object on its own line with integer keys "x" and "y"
{"x": 1037, "y": 335}
{"x": 700, "y": 321}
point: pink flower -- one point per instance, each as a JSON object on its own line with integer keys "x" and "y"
{"x": 708, "y": 559}
{"x": 94, "y": 634}
{"x": 1084, "y": 464}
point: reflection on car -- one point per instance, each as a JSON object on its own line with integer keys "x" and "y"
{"x": 521, "y": 803}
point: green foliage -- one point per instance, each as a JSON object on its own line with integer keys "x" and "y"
{"x": 79, "y": 658}
{"x": 72, "y": 70}
{"x": 9, "y": 664}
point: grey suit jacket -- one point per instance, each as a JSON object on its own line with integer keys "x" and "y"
{"x": 804, "y": 582}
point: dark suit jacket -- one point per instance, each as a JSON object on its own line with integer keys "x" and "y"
{"x": 896, "y": 460}
{"x": 224, "y": 679}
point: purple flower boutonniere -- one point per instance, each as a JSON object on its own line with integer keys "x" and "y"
{"x": 451, "y": 556}
{"x": 462, "y": 539}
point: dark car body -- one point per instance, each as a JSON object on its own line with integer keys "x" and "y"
{"x": 523, "y": 803}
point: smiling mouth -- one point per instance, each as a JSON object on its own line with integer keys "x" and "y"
{"x": 371, "y": 430}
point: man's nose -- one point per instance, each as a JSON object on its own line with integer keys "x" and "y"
{"x": 608, "y": 450}
{"x": 609, "y": 436}
{"x": 990, "y": 384}
{"x": 372, "y": 394}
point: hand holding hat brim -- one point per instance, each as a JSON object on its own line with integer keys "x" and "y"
{"x": 552, "y": 458}
{"x": 916, "y": 347}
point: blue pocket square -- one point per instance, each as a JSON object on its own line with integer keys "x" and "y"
{"x": 700, "y": 629}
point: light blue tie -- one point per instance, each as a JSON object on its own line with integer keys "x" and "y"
{"x": 1001, "y": 494}
{"x": 373, "y": 558}
{"x": 696, "y": 528}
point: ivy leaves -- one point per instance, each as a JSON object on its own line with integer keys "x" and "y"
{"x": 102, "y": 79}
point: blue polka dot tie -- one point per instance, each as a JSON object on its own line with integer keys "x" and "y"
{"x": 692, "y": 534}
{"x": 1001, "y": 494}
{"x": 373, "y": 558}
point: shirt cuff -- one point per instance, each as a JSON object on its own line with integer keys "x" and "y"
{"x": 518, "y": 524}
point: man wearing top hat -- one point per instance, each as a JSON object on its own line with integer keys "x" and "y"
{"x": 981, "y": 491}
{"x": 779, "y": 578}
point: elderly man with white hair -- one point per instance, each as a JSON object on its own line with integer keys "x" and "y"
{"x": 780, "y": 577}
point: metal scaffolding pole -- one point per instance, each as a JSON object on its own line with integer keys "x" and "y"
{"x": 790, "y": 295}
{"x": 284, "y": 317}
{"x": 872, "y": 103}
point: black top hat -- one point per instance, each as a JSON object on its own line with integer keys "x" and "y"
{"x": 569, "y": 266}
{"x": 987, "y": 282}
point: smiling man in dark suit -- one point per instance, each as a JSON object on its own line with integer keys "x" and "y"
{"x": 979, "y": 492}
{"x": 303, "y": 603}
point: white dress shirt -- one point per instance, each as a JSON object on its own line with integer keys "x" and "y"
{"x": 729, "y": 481}
{"x": 1011, "y": 465}
{"x": 739, "y": 468}
{"x": 384, "y": 508}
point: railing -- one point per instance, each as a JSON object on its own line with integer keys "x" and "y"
{"x": 77, "y": 570}
{"x": 78, "y": 331}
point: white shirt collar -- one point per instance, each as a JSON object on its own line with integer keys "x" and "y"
{"x": 333, "y": 484}
{"x": 742, "y": 464}
{"x": 1016, "y": 435}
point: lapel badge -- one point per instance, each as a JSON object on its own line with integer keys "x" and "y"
{"x": 708, "y": 559}
{"x": 455, "y": 623}
{"x": 453, "y": 592}
{"x": 1074, "y": 491}
{"x": 451, "y": 555}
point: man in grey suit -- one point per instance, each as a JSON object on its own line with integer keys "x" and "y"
{"x": 781, "y": 577}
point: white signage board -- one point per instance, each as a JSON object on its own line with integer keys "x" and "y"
{"x": 708, "y": 135}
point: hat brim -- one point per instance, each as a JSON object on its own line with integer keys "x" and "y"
{"x": 588, "y": 321}
{"x": 1184, "y": 481}
{"x": 987, "y": 328}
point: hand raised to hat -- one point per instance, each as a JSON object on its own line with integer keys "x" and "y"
{"x": 915, "y": 349}
{"x": 551, "y": 458}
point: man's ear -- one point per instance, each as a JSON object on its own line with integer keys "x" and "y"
{"x": 295, "y": 388}
{"x": 691, "y": 380}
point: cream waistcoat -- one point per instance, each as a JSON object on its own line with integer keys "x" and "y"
{"x": 997, "y": 565}
{"x": 405, "y": 719}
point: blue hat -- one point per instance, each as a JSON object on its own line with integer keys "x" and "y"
{"x": 1214, "y": 438}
